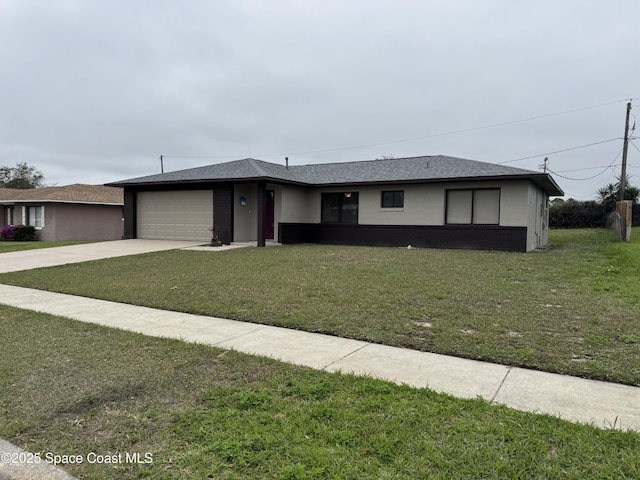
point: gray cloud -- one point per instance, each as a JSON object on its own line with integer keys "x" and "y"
{"x": 95, "y": 91}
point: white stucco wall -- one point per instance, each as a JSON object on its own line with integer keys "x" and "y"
{"x": 537, "y": 218}
{"x": 291, "y": 205}
{"x": 425, "y": 204}
{"x": 245, "y": 227}
{"x": 514, "y": 203}
{"x": 521, "y": 205}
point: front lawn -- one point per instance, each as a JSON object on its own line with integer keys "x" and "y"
{"x": 195, "y": 412}
{"x": 573, "y": 308}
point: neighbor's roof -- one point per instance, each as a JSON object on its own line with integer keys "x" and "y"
{"x": 438, "y": 168}
{"x": 76, "y": 193}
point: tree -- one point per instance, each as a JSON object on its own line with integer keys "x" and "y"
{"x": 21, "y": 176}
{"x": 610, "y": 194}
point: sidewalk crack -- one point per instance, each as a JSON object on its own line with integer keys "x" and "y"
{"x": 345, "y": 356}
{"x": 501, "y": 384}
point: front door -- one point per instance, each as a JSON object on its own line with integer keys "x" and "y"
{"x": 269, "y": 215}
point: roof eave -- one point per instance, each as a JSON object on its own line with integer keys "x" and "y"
{"x": 41, "y": 200}
{"x": 209, "y": 180}
{"x": 543, "y": 181}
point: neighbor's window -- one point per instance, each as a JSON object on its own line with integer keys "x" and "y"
{"x": 35, "y": 216}
{"x": 339, "y": 207}
{"x": 476, "y": 206}
{"x": 392, "y": 199}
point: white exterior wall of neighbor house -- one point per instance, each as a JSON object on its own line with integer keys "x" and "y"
{"x": 425, "y": 204}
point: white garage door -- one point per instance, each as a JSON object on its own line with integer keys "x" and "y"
{"x": 178, "y": 215}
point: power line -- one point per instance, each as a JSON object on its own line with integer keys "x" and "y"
{"x": 588, "y": 168}
{"x": 578, "y": 179}
{"x": 424, "y": 137}
{"x": 594, "y": 176}
{"x": 559, "y": 151}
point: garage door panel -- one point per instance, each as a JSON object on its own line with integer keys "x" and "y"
{"x": 175, "y": 215}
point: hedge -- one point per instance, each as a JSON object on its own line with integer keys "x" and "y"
{"x": 575, "y": 214}
{"x": 589, "y": 214}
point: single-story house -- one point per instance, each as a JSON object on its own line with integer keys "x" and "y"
{"x": 72, "y": 212}
{"x": 430, "y": 201}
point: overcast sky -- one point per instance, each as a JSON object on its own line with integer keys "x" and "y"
{"x": 96, "y": 91}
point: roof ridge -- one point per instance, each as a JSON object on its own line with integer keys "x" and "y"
{"x": 375, "y": 160}
{"x": 257, "y": 168}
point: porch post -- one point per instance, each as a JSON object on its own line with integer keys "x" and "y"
{"x": 262, "y": 193}
{"x": 223, "y": 211}
{"x": 129, "y": 214}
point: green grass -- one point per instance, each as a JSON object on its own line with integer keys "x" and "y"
{"x": 571, "y": 309}
{"x": 71, "y": 388}
{"x": 17, "y": 246}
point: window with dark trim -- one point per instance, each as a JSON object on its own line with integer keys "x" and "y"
{"x": 339, "y": 207}
{"x": 479, "y": 206}
{"x": 392, "y": 199}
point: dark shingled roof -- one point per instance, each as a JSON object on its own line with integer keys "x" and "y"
{"x": 426, "y": 169}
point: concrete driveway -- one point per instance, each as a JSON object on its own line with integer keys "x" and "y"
{"x": 49, "y": 257}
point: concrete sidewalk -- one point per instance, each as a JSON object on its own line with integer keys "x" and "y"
{"x": 20, "y": 465}
{"x": 602, "y": 404}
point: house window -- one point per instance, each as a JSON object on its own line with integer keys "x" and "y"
{"x": 475, "y": 206}
{"x": 392, "y": 199}
{"x": 339, "y": 207}
{"x": 35, "y": 216}
{"x": 10, "y": 219}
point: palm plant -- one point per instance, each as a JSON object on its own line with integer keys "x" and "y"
{"x": 610, "y": 194}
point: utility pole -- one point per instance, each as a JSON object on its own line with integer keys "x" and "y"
{"x": 161, "y": 165}
{"x": 623, "y": 175}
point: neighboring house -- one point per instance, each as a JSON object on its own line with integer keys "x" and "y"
{"x": 72, "y": 212}
{"x": 434, "y": 201}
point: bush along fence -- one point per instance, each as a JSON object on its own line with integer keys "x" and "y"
{"x": 576, "y": 214}
{"x": 589, "y": 214}
{"x": 18, "y": 233}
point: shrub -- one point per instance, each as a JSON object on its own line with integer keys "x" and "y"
{"x": 18, "y": 233}
{"x": 575, "y": 214}
{"x": 6, "y": 234}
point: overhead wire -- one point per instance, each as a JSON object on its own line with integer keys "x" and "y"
{"x": 611, "y": 165}
{"x": 559, "y": 151}
{"x": 466, "y": 130}
{"x": 423, "y": 137}
{"x": 588, "y": 168}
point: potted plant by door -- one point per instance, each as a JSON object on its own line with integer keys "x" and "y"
{"x": 215, "y": 241}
